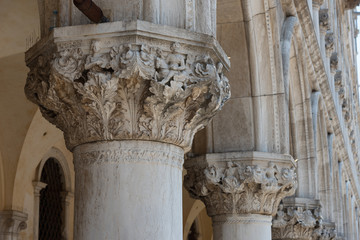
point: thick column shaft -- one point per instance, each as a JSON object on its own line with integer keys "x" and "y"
{"x": 133, "y": 188}
{"x": 242, "y": 227}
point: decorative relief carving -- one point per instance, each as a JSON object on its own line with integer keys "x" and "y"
{"x": 334, "y": 60}
{"x": 329, "y": 43}
{"x": 240, "y": 188}
{"x": 128, "y": 155}
{"x": 324, "y": 20}
{"x": 317, "y": 3}
{"x": 128, "y": 91}
{"x": 300, "y": 223}
{"x": 351, "y": 4}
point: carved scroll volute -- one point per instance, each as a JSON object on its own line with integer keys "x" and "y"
{"x": 240, "y": 188}
{"x": 127, "y": 91}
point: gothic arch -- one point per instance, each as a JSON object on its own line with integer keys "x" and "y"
{"x": 42, "y": 140}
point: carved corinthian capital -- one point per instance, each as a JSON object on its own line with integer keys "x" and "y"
{"x": 240, "y": 183}
{"x": 133, "y": 81}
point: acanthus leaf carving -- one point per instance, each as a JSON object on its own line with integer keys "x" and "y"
{"x": 295, "y": 222}
{"x": 240, "y": 188}
{"x": 128, "y": 91}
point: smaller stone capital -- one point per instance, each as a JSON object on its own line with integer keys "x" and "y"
{"x": 11, "y": 223}
{"x": 334, "y": 61}
{"x": 301, "y": 219}
{"x": 38, "y": 186}
{"x": 240, "y": 183}
{"x": 338, "y": 82}
{"x": 324, "y": 20}
{"x": 329, "y": 43}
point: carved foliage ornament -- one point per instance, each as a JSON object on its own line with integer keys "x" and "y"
{"x": 329, "y": 43}
{"x": 324, "y": 20}
{"x": 130, "y": 91}
{"x": 240, "y": 188}
{"x": 299, "y": 223}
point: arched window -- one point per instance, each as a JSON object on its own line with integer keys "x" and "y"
{"x": 51, "y": 209}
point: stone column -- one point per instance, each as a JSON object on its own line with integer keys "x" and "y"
{"x": 11, "y": 223}
{"x": 241, "y": 190}
{"x": 129, "y": 98}
{"x": 300, "y": 219}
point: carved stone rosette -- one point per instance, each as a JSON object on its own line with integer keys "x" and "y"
{"x": 240, "y": 183}
{"x": 300, "y": 222}
{"x": 11, "y": 223}
{"x": 132, "y": 81}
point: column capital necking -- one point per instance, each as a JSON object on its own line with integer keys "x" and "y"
{"x": 132, "y": 81}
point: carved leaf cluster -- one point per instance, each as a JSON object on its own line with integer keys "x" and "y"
{"x": 240, "y": 188}
{"x": 299, "y": 223}
{"x": 131, "y": 91}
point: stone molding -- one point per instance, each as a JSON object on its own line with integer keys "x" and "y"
{"x": 240, "y": 183}
{"x": 132, "y": 86}
{"x": 11, "y": 223}
{"x": 117, "y": 152}
{"x": 301, "y": 219}
{"x": 241, "y": 219}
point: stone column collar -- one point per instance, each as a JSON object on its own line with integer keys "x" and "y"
{"x": 127, "y": 80}
{"x": 240, "y": 182}
{"x": 11, "y": 223}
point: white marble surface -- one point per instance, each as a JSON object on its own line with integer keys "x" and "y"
{"x": 128, "y": 190}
